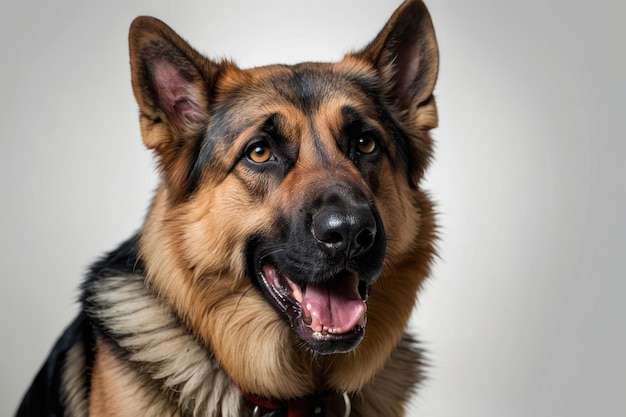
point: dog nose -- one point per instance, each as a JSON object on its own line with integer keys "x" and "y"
{"x": 348, "y": 232}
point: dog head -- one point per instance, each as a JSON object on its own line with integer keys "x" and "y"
{"x": 290, "y": 223}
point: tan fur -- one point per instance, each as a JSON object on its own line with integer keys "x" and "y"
{"x": 210, "y": 301}
{"x": 185, "y": 337}
{"x": 194, "y": 253}
{"x": 114, "y": 391}
{"x": 169, "y": 370}
{"x": 176, "y": 369}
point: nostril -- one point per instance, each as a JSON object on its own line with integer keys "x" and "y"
{"x": 365, "y": 239}
{"x": 331, "y": 230}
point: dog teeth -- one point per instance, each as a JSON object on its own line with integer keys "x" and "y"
{"x": 318, "y": 335}
{"x": 324, "y": 333}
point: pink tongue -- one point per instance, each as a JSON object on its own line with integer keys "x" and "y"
{"x": 335, "y": 309}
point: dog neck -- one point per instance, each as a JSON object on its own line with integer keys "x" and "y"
{"x": 144, "y": 331}
{"x": 128, "y": 314}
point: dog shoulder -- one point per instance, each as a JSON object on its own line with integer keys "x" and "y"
{"x": 388, "y": 393}
{"x": 61, "y": 385}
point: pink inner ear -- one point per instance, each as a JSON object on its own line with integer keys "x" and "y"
{"x": 406, "y": 67}
{"x": 175, "y": 95}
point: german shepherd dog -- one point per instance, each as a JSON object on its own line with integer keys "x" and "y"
{"x": 281, "y": 257}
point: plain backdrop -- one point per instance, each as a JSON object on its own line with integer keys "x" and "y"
{"x": 525, "y": 312}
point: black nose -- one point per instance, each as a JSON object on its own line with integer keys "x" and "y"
{"x": 346, "y": 232}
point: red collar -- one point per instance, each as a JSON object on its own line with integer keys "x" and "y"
{"x": 310, "y": 406}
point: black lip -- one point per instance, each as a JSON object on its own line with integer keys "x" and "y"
{"x": 291, "y": 310}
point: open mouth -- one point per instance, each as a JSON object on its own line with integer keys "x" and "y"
{"x": 328, "y": 316}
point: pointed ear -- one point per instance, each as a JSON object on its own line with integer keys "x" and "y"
{"x": 171, "y": 82}
{"x": 406, "y": 56}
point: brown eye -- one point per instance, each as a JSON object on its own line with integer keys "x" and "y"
{"x": 260, "y": 153}
{"x": 365, "y": 145}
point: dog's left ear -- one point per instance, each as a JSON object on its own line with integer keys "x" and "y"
{"x": 406, "y": 56}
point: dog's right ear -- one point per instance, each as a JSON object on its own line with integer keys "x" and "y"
{"x": 171, "y": 82}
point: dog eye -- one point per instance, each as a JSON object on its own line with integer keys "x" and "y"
{"x": 365, "y": 144}
{"x": 259, "y": 153}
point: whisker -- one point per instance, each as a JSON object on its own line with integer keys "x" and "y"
{"x": 243, "y": 294}
{"x": 272, "y": 252}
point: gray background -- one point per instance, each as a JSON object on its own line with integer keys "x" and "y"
{"x": 525, "y": 313}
